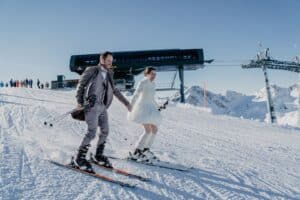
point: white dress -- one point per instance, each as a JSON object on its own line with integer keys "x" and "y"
{"x": 144, "y": 107}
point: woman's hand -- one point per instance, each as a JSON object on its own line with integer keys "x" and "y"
{"x": 164, "y": 106}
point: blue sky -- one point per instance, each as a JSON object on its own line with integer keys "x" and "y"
{"x": 37, "y": 38}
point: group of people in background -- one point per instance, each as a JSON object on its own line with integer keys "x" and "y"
{"x": 42, "y": 85}
{"x": 2, "y": 84}
{"x": 21, "y": 83}
{"x": 27, "y": 83}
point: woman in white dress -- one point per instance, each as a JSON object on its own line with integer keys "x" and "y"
{"x": 145, "y": 112}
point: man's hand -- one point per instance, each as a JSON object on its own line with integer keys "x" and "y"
{"x": 79, "y": 106}
{"x": 129, "y": 107}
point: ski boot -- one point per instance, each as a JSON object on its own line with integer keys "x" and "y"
{"x": 149, "y": 155}
{"x": 81, "y": 162}
{"x": 101, "y": 159}
{"x": 138, "y": 156}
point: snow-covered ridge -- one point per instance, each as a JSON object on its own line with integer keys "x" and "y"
{"x": 248, "y": 106}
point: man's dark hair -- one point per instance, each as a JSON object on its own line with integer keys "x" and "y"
{"x": 106, "y": 53}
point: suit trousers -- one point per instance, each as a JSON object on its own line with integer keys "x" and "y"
{"x": 94, "y": 117}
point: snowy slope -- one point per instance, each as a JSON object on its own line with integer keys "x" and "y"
{"x": 233, "y": 158}
{"x": 248, "y": 106}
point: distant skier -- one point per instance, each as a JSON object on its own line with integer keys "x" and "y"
{"x": 96, "y": 88}
{"x": 38, "y": 83}
{"x": 26, "y": 82}
{"x": 11, "y": 82}
{"x": 145, "y": 112}
{"x": 47, "y": 85}
{"x": 30, "y": 83}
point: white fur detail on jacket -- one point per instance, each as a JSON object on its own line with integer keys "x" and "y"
{"x": 144, "y": 106}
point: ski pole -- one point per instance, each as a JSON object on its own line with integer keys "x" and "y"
{"x": 90, "y": 103}
{"x": 60, "y": 117}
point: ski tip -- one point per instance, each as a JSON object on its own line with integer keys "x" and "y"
{"x": 128, "y": 185}
{"x": 145, "y": 179}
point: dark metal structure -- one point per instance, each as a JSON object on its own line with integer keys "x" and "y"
{"x": 264, "y": 61}
{"x": 130, "y": 63}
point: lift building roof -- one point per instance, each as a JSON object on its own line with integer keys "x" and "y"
{"x": 136, "y": 61}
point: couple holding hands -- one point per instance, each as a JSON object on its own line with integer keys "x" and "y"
{"x": 96, "y": 90}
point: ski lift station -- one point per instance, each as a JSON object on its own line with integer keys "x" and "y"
{"x": 128, "y": 64}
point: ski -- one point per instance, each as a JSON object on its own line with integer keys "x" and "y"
{"x": 95, "y": 175}
{"x": 160, "y": 164}
{"x": 120, "y": 171}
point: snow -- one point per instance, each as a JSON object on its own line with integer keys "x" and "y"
{"x": 233, "y": 158}
{"x": 252, "y": 107}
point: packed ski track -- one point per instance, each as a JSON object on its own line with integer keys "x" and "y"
{"x": 232, "y": 158}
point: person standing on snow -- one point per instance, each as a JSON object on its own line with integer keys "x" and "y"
{"x": 38, "y": 83}
{"x": 47, "y": 84}
{"x": 96, "y": 89}
{"x": 26, "y": 82}
{"x": 11, "y": 82}
{"x": 30, "y": 83}
{"x": 145, "y": 111}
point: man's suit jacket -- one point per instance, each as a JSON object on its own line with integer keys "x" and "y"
{"x": 88, "y": 78}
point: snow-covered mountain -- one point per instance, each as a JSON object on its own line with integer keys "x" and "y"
{"x": 248, "y": 106}
{"x": 232, "y": 158}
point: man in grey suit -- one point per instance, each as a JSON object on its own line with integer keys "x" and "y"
{"x": 95, "y": 92}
